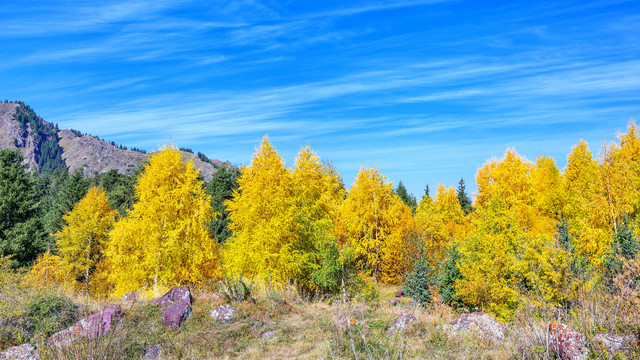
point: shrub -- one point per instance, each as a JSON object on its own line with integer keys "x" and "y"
{"x": 48, "y": 313}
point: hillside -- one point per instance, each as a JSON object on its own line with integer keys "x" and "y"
{"x": 45, "y": 147}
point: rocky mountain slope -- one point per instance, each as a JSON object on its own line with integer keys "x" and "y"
{"x": 85, "y": 152}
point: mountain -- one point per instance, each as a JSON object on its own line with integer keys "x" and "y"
{"x": 46, "y": 148}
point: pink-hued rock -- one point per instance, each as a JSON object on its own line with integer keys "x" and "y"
{"x": 567, "y": 343}
{"x": 400, "y": 293}
{"x": 401, "y": 323}
{"x": 90, "y": 327}
{"x": 22, "y": 352}
{"x": 175, "y": 314}
{"x": 482, "y": 323}
{"x": 175, "y": 296}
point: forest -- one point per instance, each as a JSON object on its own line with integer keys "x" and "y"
{"x": 533, "y": 232}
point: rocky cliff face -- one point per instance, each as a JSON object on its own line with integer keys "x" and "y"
{"x": 11, "y": 135}
{"x": 85, "y": 152}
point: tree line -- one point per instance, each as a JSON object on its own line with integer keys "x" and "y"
{"x": 533, "y": 232}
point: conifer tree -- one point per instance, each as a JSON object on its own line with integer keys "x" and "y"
{"x": 164, "y": 240}
{"x": 81, "y": 241}
{"x": 221, "y": 188}
{"x": 377, "y": 223}
{"x": 408, "y": 199}
{"x": 463, "y": 198}
{"x": 318, "y": 192}
{"x": 262, "y": 215}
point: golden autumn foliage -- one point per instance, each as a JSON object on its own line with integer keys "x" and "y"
{"x": 439, "y": 220}
{"x": 164, "y": 240}
{"x": 81, "y": 241}
{"x": 535, "y": 233}
{"x": 318, "y": 193}
{"x": 262, "y": 214}
{"x": 511, "y": 245}
{"x": 377, "y": 223}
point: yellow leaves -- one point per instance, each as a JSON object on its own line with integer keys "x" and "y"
{"x": 439, "y": 220}
{"x": 81, "y": 241}
{"x": 262, "y": 214}
{"x": 164, "y": 240}
{"x": 377, "y": 223}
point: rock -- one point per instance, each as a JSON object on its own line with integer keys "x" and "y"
{"x": 175, "y": 314}
{"x": 268, "y": 335}
{"x": 400, "y": 293}
{"x": 175, "y": 296}
{"x": 567, "y": 343}
{"x": 22, "y": 352}
{"x": 481, "y": 323}
{"x": 130, "y": 296}
{"x": 393, "y": 302}
{"x": 613, "y": 343}
{"x": 90, "y": 327}
{"x": 153, "y": 352}
{"x": 223, "y": 313}
{"x": 401, "y": 323}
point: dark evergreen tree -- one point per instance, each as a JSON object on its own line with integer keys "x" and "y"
{"x": 120, "y": 189}
{"x": 419, "y": 283}
{"x": 408, "y": 199}
{"x": 21, "y": 231}
{"x": 449, "y": 274}
{"x": 463, "y": 198}
{"x": 221, "y": 187}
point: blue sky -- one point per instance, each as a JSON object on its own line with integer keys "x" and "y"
{"x": 427, "y": 91}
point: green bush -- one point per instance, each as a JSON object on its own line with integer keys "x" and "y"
{"x": 48, "y": 313}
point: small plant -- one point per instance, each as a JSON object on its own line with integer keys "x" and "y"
{"x": 234, "y": 288}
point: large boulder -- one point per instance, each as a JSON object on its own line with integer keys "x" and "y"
{"x": 174, "y": 315}
{"x": 223, "y": 313}
{"x": 613, "y": 343}
{"x": 401, "y": 323}
{"x": 480, "y": 323}
{"x": 90, "y": 327}
{"x": 22, "y": 352}
{"x": 175, "y": 296}
{"x": 567, "y": 343}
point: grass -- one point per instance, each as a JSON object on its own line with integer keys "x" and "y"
{"x": 323, "y": 329}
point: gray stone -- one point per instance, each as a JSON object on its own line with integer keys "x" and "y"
{"x": 223, "y": 313}
{"x": 613, "y": 343}
{"x": 567, "y": 343}
{"x": 174, "y": 315}
{"x": 481, "y": 323}
{"x": 130, "y": 296}
{"x": 90, "y": 327}
{"x": 22, "y": 352}
{"x": 153, "y": 352}
{"x": 267, "y": 335}
{"x": 401, "y": 323}
{"x": 175, "y": 296}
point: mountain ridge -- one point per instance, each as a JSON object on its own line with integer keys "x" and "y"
{"x": 45, "y": 147}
